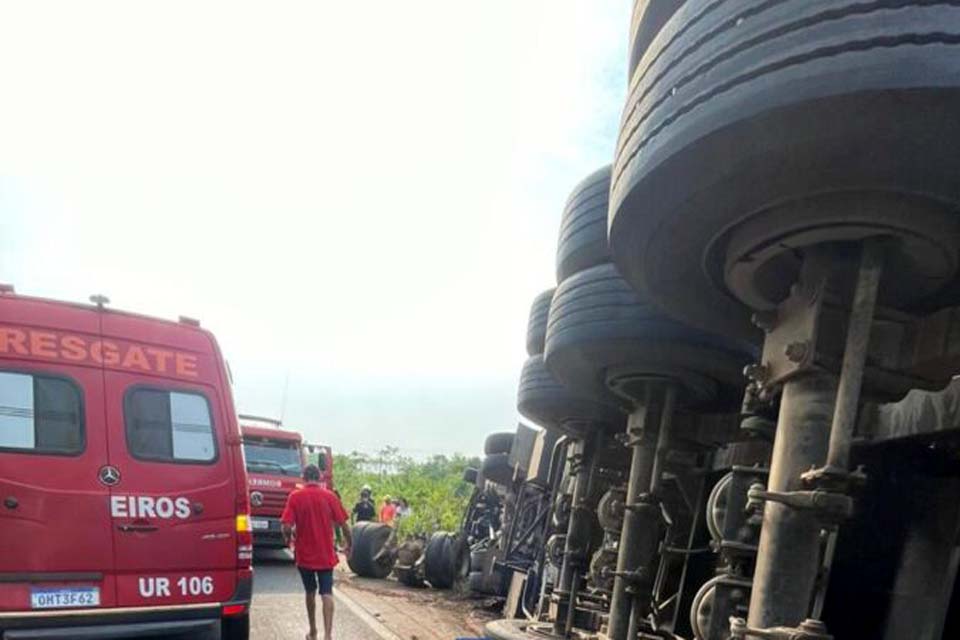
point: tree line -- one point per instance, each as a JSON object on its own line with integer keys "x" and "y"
{"x": 434, "y": 487}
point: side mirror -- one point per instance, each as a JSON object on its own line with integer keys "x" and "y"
{"x": 316, "y": 454}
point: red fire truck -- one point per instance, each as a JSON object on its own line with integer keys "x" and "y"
{"x": 275, "y": 458}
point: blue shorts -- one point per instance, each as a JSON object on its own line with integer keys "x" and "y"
{"x": 315, "y": 580}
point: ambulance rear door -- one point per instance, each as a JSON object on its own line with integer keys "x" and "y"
{"x": 174, "y": 507}
{"x": 55, "y": 544}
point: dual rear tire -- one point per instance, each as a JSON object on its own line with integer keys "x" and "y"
{"x": 788, "y": 124}
{"x": 447, "y": 560}
{"x": 496, "y": 468}
{"x": 367, "y": 557}
{"x": 485, "y": 578}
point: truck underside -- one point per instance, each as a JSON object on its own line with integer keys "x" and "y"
{"x": 750, "y": 353}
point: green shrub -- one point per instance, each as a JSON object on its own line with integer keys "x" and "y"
{"x": 433, "y": 488}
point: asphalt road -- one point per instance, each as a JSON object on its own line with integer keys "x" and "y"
{"x": 278, "y": 611}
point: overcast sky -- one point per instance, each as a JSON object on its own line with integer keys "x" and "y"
{"x": 361, "y": 198}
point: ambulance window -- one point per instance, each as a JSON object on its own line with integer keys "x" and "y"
{"x": 40, "y": 414}
{"x": 192, "y": 431}
{"x": 169, "y": 426}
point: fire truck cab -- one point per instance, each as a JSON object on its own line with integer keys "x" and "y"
{"x": 275, "y": 458}
{"x": 123, "y": 502}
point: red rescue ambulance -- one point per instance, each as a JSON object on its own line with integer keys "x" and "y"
{"x": 275, "y": 458}
{"x": 123, "y": 495}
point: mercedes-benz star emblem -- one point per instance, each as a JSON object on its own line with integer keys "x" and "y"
{"x": 256, "y": 498}
{"x": 109, "y": 476}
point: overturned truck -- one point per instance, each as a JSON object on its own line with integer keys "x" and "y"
{"x": 747, "y": 359}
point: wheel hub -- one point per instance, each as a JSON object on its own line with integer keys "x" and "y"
{"x": 695, "y": 389}
{"x": 759, "y": 259}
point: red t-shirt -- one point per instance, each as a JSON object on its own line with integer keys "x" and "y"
{"x": 313, "y": 511}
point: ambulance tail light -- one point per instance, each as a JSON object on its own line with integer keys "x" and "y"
{"x": 244, "y": 534}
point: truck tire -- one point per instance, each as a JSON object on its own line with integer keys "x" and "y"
{"x": 434, "y": 566}
{"x": 600, "y": 326}
{"x": 488, "y": 584}
{"x": 447, "y": 560}
{"x": 583, "y": 226}
{"x": 496, "y": 468}
{"x": 537, "y": 324}
{"x": 235, "y": 628}
{"x": 369, "y": 539}
{"x": 549, "y": 404}
{"x": 649, "y": 16}
{"x": 825, "y": 114}
{"x": 470, "y": 475}
{"x": 498, "y": 443}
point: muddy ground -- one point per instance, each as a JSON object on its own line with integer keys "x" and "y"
{"x": 419, "y": 614}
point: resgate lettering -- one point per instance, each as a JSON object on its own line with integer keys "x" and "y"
{"x": 72, "y": 348}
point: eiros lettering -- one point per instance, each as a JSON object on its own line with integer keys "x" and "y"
{"x": 149, "y": 507}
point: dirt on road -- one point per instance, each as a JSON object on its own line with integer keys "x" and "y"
{"x": 419, "y": 614}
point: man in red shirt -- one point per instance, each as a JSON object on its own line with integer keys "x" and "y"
{"x": 309, "y": 520}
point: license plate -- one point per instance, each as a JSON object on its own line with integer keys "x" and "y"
{"x": 64, "y": 598}
{"x": 259, "y": 524}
